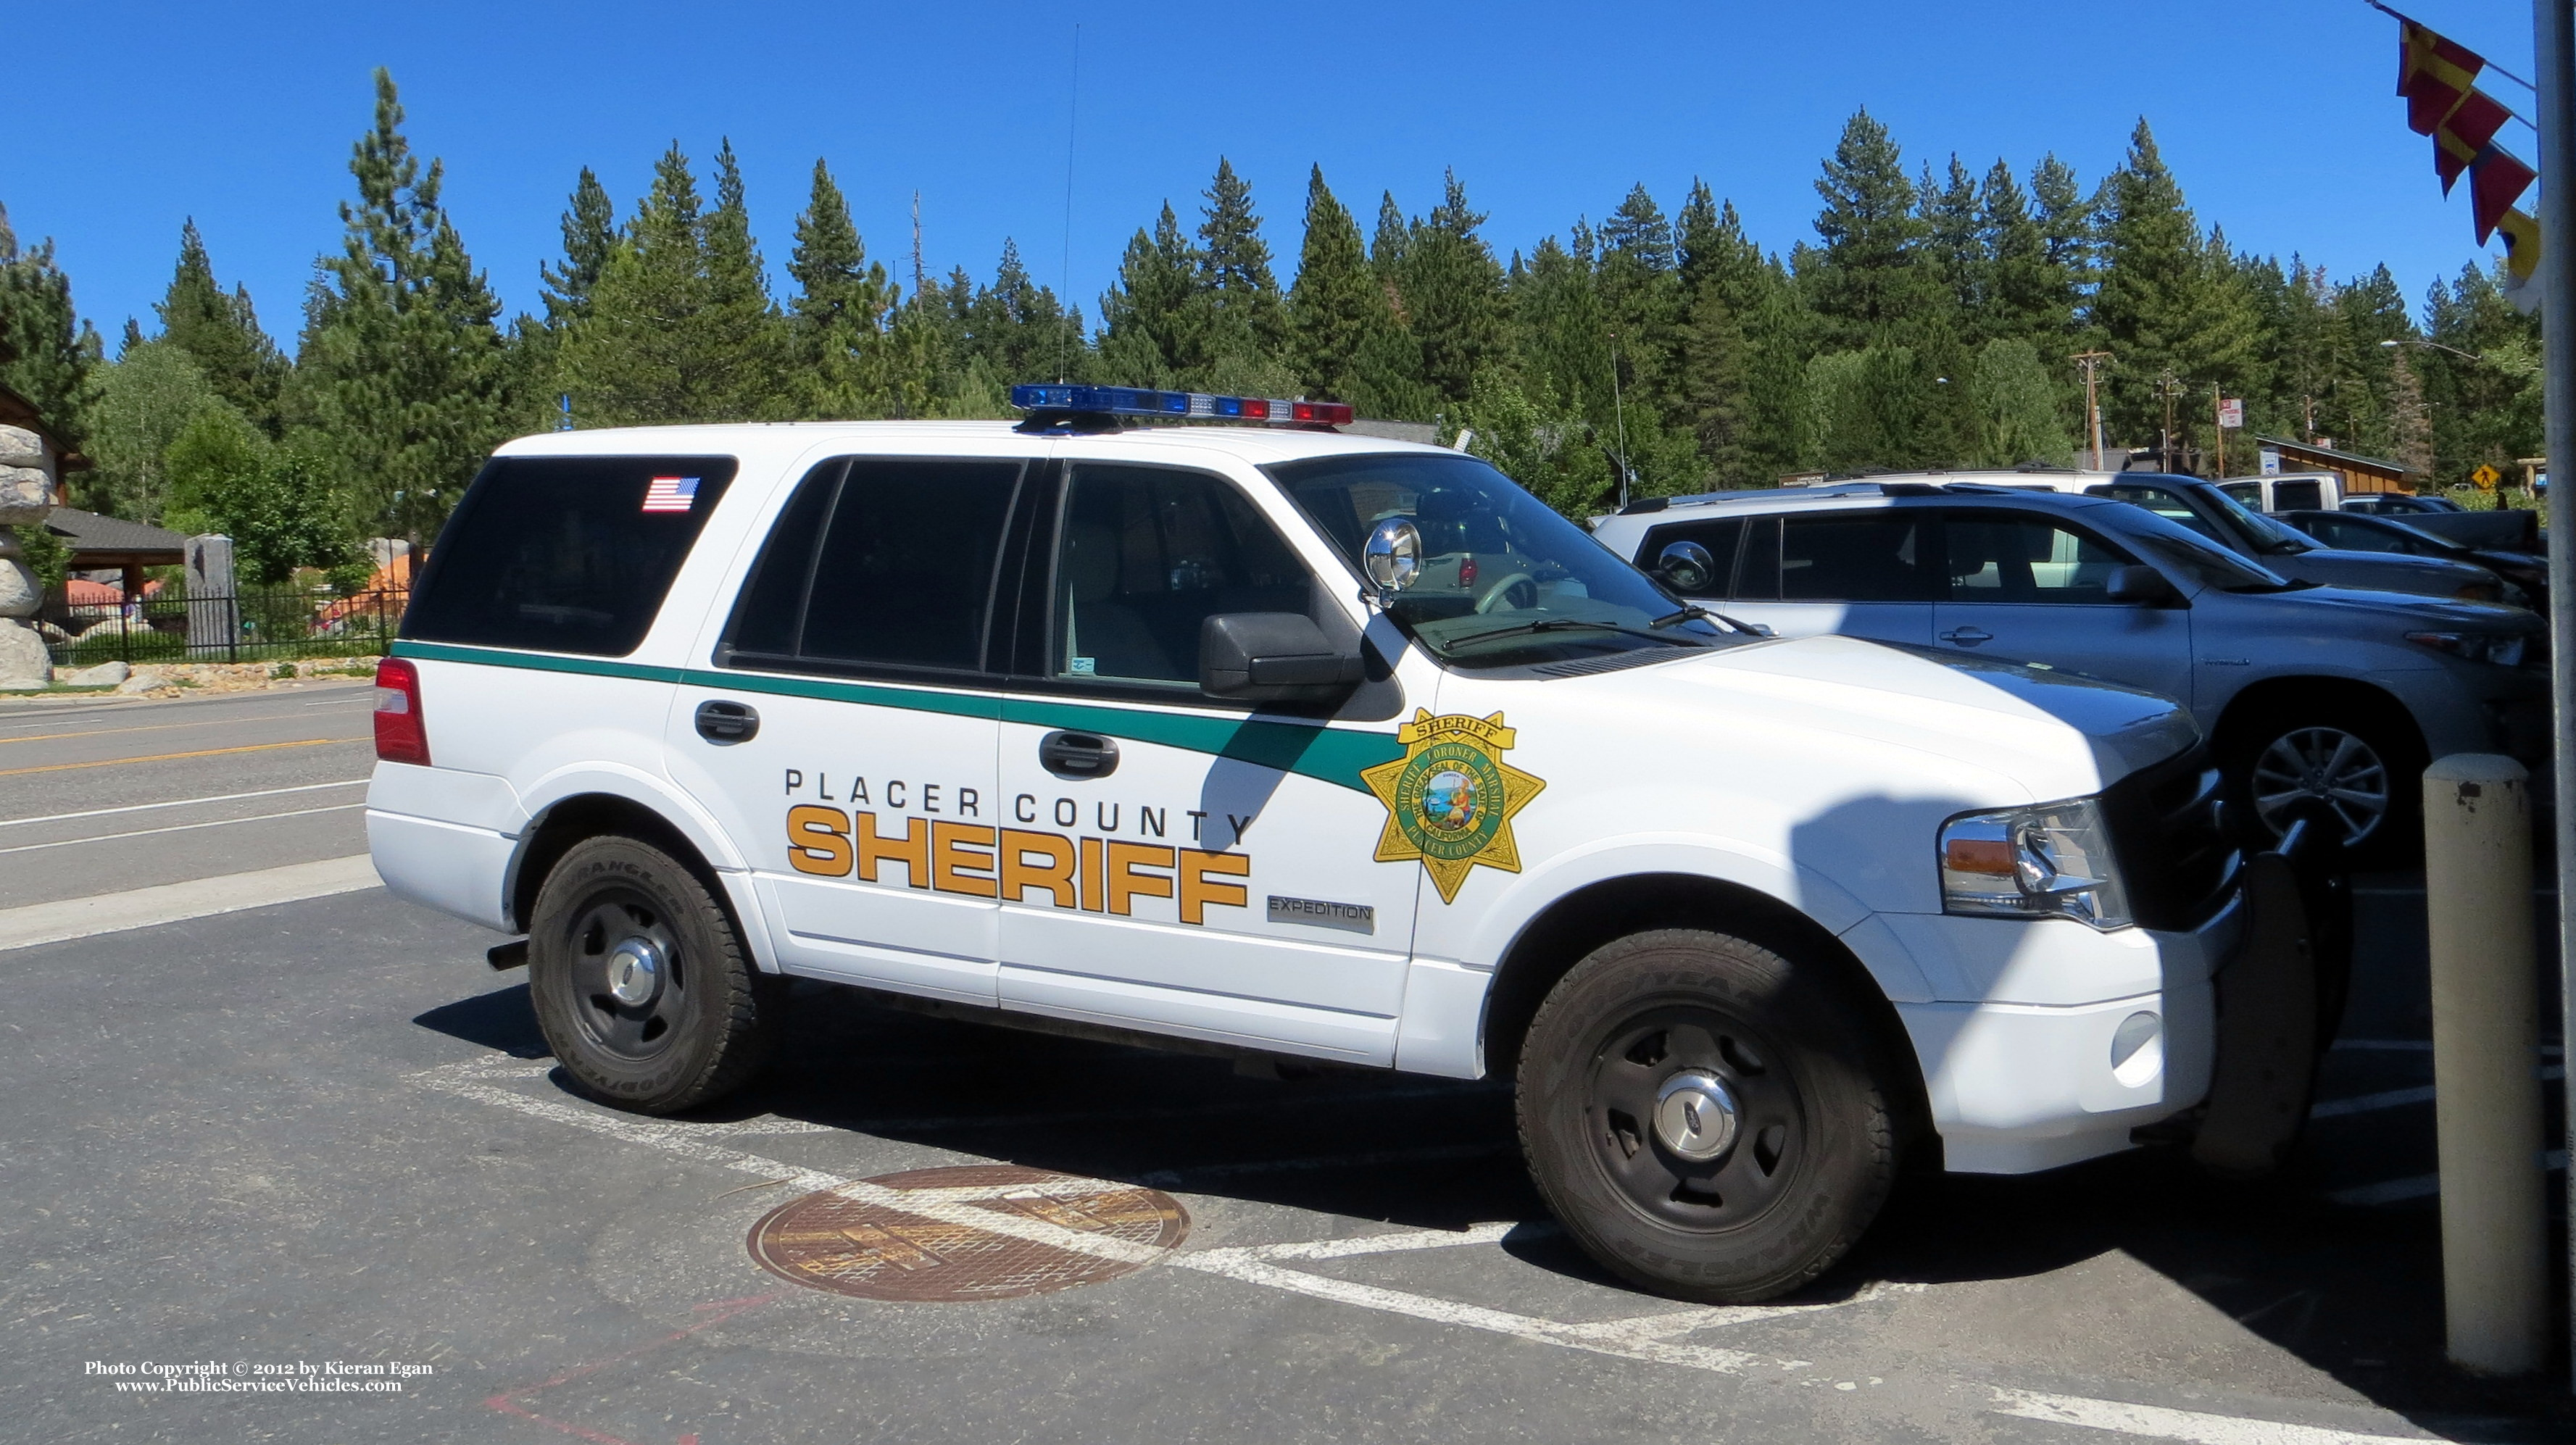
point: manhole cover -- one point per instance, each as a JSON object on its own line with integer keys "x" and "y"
{"x": 1048, "y": 1232}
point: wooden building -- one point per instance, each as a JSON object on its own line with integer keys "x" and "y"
{"x": 2361, "y": 475}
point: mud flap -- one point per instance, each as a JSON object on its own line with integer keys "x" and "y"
{"x": 2268, "y": 1016}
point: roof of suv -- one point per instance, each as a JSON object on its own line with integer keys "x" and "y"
{"x": 1255, "y": 445}
{"x": 1853, "y": 494}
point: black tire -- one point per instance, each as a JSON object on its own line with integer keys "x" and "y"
{"x": 1814, "y": 1152}
{"x": 2289, "y": 753}
{"x": 703, "y": 1026}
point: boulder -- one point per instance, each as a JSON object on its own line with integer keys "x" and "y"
{"x": 143, "y": 682}
{"x": 106, "y": 674}
{"x": 26, "y": 495}
{"x": 24, "y": 667}
{"x": 20, "y": 447}
{"x": 20, "y": 593}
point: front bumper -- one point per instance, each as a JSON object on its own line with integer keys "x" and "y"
{"x": 2020, "y": 1087}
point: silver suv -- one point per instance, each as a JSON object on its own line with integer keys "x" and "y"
{"x": 2304, "y": 690}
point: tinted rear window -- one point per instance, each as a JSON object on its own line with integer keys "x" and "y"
{"x": 565, "y": 554}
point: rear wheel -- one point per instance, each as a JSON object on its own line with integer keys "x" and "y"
{"x": 1700, "y": 1118}
{"x": 641, "y": 985}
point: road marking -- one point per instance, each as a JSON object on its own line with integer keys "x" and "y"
{"x": 169, "y": 757}
{"x": 2410, "y": 1046}
{"x": 71, "y": 918}
{"x": 2398, "y": 1098}
{"x": 179, "y": 828}
{"x": 181, "y": 803}
{"x": 160, "y": 727}
{"x": 2157, "y": 1422}
{"x": 1645, "y": 1337}
{"x": 2419, "y": 1186}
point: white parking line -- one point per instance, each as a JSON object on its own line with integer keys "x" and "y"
{"x": 2158, "y": 1423}
{"x": 2398, "y": 1098}
{"x": 181, "y": 803}
{"x": 69, "y": 918}
{"x": 2420, "y": 1186}
{"x": 1649, "y": 1338}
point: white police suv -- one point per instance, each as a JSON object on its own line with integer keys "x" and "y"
{"x": 1307, "y": 744}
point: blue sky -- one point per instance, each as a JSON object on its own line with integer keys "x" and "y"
{"x": 2278, "y": 117}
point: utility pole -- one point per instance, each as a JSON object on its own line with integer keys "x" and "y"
{"x": 2168, "y": 388}
{"x": 2218, "y": 423}
{"x": 2091, "y": 361}
{"x": 2554, "y": 51}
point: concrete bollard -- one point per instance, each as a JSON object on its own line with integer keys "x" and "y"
{"x": 2486, "y": 1052}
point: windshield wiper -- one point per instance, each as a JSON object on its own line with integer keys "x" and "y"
{"x": 1553, "y": 624}
{"x": 1674, "y": 619}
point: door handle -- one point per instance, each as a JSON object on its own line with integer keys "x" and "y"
{"x": 722, "y": 723}
{"x": 1967, "y": 636}
{"x": 1077, "y": 755}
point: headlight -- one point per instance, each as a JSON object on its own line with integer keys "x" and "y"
{"x": 2049, "y": 861}
{"x": 2504, "y": 649}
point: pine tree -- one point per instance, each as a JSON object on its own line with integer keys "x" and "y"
{"x": 1564, "y": 331}
{"x": 1342, "y": 334}
{"x": 1453, "y": 295}
{"x": 222, "y": 333}
{"x": 1147, "y": 310}
{"x": 1641, "y": 299}
{"x": 2026, "y": 297}
{"x": 1719, "y": 270}
{"x": 1955, "y": 247}
{"x": 740, "y": 329}
{"x": 2484, "y": 411}
{"x": 589, "y": 238}
{"x": 1016, "y": 329}
{"x": 2169, "y": 306}
{"x": 2068, "y": 238}
{"x": 839, "y": 309}
{"x": 1866, "y": 283}
{"x": 47, "y": 353}
{"x": 1237, "y": 297}
{"x": 409, "y": 374}
{"x": 638, "y": 358}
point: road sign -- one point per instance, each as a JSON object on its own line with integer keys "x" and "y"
{"x": 2231, "y": 413}
{"x": 2486, "y": 477}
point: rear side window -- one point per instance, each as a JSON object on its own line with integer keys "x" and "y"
{"x": 2304, "y": 496}
{"x": 1858, "y": 557}
{"x": 2022, "y": 558}
{"x": 565, "y": 554}
{"x": 878, "y": 563}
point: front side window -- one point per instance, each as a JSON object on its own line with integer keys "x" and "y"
{"x": 565, "y": 554}
{"x": 1145, "y": 555}
{"x": 2164, "y": 503}
{"x": 1504, "y": 581}
{"x": 877, "y": 563}
{"x": 2018, "y": 558}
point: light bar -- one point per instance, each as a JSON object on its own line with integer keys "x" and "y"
{"x": 1194, "y": 405}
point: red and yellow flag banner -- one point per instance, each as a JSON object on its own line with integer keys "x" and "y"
{"x": 2437, "y": 76}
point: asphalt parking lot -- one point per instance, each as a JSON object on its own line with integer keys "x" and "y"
{"x": 325, "y": 1131}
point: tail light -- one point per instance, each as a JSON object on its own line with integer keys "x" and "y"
{"x": 401, "y": 736}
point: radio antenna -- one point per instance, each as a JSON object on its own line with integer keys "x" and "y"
{"x": 1064, "y": 268}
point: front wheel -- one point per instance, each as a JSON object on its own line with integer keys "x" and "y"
{"x": 2364, "y": 771}
{"x": 1702, "y": 1117}
{"x": 641, "y": 986}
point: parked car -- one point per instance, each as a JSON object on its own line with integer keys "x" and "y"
{"x": 2398, "y": 504}
{"x": 2304, "y": 690}
{"x": 2287, "y": 491}
{"x": 2203, "y": 508}
{"x": 2525, "y": 574}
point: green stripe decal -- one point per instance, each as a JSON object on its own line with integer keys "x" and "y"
{"x": 1330, "y": 755}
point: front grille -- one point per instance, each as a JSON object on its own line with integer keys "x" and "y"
{"x": 2169, "y": 832}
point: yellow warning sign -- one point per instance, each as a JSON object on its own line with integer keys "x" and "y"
{"x": 2486, "y": 477}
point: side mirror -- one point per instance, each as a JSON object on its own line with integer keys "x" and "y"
{"x": 1687, "y": 568}
{"x": 1392, "y": 557}
{"x": 1274, "y": 657}
{"x": 2141, "y": 586}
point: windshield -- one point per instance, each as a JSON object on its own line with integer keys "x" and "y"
{"x": 2268, "y": 535}
{"x": 2200, "y": 562}
{"x": 1504, "y": 581}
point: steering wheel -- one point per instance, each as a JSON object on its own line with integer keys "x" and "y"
{"x": 1497, "y": 595}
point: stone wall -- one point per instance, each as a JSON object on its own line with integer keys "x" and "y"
{"x": 26, "y": 500}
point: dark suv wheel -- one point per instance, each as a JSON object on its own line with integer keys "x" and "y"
{"x": 641, "y": 987}
{"x": 1702, "y": 1116}
{"x": 2365, "y": 768}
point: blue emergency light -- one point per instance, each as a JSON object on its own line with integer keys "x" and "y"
{"x": 1175, "y": 405}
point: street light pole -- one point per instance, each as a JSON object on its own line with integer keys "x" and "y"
{"x": 2554, "y": 49}
{"x": 2437, "y": 346}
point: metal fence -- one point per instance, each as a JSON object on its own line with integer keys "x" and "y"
{"x": 254, "y": 624}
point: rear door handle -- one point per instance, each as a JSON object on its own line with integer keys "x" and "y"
{"x": 1967, "y": 636}
{"x": 721, "y": 722}
{"x": 1078, "y": 755}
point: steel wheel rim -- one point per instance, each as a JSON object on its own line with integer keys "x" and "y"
{"x": 2331, "y": 765}
{"x": 1624, "y": 1084}
{"x": 633, "y": 1032}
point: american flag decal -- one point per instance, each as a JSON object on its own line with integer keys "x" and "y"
{"x": 670, "y": 494}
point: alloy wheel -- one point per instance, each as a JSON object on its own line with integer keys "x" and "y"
{"x": 2327, "y": 763}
